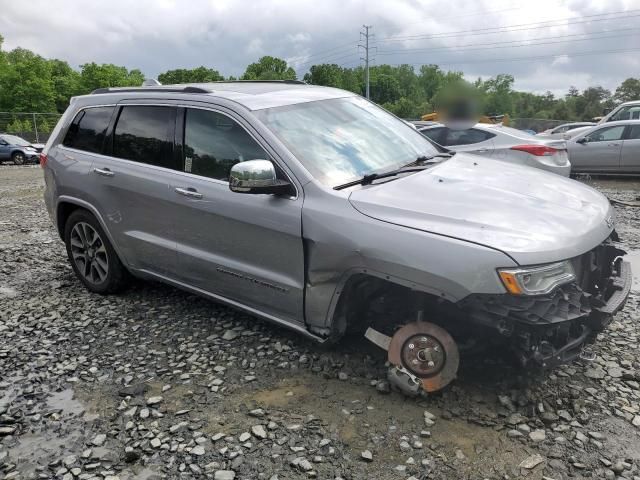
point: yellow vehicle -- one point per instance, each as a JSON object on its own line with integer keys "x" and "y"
{"x": 494, "y": 119}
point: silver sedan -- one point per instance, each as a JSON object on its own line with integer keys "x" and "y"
{"x": 503, "y": 143}
{"x": 607, "y": 148}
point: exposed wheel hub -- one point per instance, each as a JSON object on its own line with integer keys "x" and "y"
{"x": 423, "y": 355}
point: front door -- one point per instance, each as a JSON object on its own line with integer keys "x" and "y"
{"x": 600, "y": 151}
{"x": 245, "y": 248}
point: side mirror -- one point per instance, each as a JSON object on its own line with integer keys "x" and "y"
{"x": 582, "y": 140}
{"x": 257, "y": 177}
{"x": 4, "y": 142}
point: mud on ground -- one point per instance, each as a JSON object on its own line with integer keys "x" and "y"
{"x": 158, "y": 383}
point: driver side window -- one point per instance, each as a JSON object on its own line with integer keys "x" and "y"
{"x": 213, "y": 143}
{"x": 606, "y": 134}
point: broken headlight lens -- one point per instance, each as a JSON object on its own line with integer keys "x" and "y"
{"x": 537, "y": 280}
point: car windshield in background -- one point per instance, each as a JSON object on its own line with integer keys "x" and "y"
{"x": 13, "y": 140}
{"x": 341, "y": 140}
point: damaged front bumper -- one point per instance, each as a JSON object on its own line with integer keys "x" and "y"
{"x": 548, "y": 330}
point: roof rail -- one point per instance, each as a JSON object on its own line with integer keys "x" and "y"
{"x": 168, "y": 88}
{"x": 295, "y": 82}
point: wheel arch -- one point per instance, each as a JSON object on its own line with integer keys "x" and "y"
{"x": 66, "y": 205}
{"x": 357, "y": 281}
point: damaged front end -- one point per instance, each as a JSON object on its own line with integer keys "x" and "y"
{"x": 551, "y": 329}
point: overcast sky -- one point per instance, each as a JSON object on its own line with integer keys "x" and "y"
{"x": 478, "y": 37}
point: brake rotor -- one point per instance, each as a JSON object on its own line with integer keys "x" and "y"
{"x": 428, "y": 352}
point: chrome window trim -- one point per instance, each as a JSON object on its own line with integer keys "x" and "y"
{"x": 278, "y": 161}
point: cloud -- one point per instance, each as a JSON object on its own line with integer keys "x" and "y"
{"x": 156, "y": 35}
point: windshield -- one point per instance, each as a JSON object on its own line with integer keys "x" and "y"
{"x": 343, "y": 139}
{"x": 13, "y": 140}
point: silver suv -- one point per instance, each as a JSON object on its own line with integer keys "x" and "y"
{"x": 313, "y": 208}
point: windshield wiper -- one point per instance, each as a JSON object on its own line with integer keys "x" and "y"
{"x": 368, "y": 179}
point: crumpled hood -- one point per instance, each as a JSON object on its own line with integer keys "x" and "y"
{"x": 531, "y": 215}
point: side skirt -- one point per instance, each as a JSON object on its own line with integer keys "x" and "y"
{"x": 232, "y": 303}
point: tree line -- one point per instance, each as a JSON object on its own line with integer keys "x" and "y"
{"x": 32, "y": 83}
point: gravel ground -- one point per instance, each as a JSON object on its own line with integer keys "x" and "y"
{"x": 158, "y": 383}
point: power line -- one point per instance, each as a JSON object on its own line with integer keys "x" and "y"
{"x": 516, "y": 59}
{"x": 332, "y": 51}
{"x": 305, "y": 57}
{"x": 516, "y": 28}
{"x": 503, "y": 44}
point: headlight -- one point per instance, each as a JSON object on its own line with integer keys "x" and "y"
{"x": 537, "y": 280}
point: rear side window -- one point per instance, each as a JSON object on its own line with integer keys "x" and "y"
{"x": 88, "y": 129}
{"x": 213, "y": 143}
{"x": 145, "y": 134}
{"x": 438, "y": 135}
{"x": 467, "y": 137}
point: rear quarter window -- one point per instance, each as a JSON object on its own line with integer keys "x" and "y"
{"x": 88, "y": 129}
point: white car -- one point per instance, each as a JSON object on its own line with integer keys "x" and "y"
{"x": 503, "y": 143}
{"x": 559, "y": 131}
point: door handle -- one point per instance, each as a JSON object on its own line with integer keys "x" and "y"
{"x": 482, "y": 150}
{"x": 105, "y": 172}
{"x": 189, "y": 192}
{"x": 614, "y": 144}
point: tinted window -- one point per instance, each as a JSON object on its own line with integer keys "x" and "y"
{"x": 467, "y": 137}
{"x": 606, "y": 134}
{"x": 88, "y": 129}
{"x": 213, "y": 143}
{"x": 438, "y": 135}
{"x": 145, "y": 134}
{"x": 560, "y": 130}
{"x": 634, "y": 132}
{"x": 631, "y": 112}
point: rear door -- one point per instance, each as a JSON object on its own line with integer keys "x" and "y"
{"x": 132, "y": 185}
{"x": 245, "y": 248}
{"x": 600, "y": 152}
{"x": 630, "y": 157}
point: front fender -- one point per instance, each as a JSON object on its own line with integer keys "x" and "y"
{"x": 341, "y": 242}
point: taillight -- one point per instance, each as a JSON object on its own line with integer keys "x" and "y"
{"x": 43, "y": 160}
{"x": 537, "y": 150}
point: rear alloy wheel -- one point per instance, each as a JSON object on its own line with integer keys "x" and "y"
{"x": 18, "y": 158}
{"x": 91, "y": 255}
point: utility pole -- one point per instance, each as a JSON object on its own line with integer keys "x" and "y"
{"x": 366, "y": 35}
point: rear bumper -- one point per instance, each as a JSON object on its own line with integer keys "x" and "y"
{"x": 549, "y": 330}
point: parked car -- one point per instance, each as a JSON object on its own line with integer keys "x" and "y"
{"x": 503, "y": 143}
{"x": 608, "y": 148}
{"x": 559, "y": 131}
{"x": 16, "y": 149}
{"x": 316, "y": 209}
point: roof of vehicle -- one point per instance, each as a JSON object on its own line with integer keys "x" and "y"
{"x": 631, "y": 102}
{"x": 574, "y": 123}
{"x": 252, "y": 94}
{"x": 618, "y": 122}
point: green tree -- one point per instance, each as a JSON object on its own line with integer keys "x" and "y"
{"x": 25, "y": 83}
{"x": 66, "y": 83}
{"x": 628, "y": 90}
{"x": 329, "y": 75}
{"x": 194, "y": 75}
{"x": 94, "y": 76}
{"x": 269, "y": 68}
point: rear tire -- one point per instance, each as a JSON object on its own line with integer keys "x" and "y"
{"x": 91, "y": 254}
{"x": 18, "y": 158}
